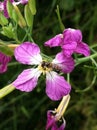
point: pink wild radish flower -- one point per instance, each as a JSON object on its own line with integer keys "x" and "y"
{"x": 4, "y": 59}
{"x": 3, "y": 5}
{"x": 56, "y": 85}
{"x": 70, "y": 42}
{"x": 52, "y": 123}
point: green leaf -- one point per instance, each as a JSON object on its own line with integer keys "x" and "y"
{"x": 28, "y": 13}
{"x": 10, "y": 8}
{"x": 3, "y": 19}
{"x": 5, "y": 49}
{"x": 32, "y": 6}
{"x": 6, "y": 90}
{"x": 15, "y": 16}
{"x": 21, "y": 20}
{"x": 8, "y": 31}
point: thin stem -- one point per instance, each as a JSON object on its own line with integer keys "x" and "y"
{"x": 93, "y": 46}
{"x": 68, "y": 78}
{"x": 24, "y": 37}
{"x": 89, "y": 87}
{"x": 93, "y": 61}
{"x": 59, "y": 18}
{"x": 93, "y": 50}
{"x": 14, "y": 63}
{"x": 28, "y": 33}
{"x": 81, "y": 60}
{"x": 6, "y": 90}
{"x": 16, "y": 36}
{"x": 46, "y": 57}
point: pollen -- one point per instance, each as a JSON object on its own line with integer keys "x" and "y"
{"x": 44, "y": 67}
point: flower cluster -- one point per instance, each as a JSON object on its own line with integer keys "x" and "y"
{"x": 3, "y": 5}
{"x": 56, "y": 85}
{"x": 55, "y": 120}
{"x": 52, "y": 122}
{"x": 29, "y": 53}
{"x": 70, "y": 42}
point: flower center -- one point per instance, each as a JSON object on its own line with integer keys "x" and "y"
{"x": 45, "y": 67}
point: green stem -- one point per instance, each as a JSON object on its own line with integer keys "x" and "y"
{"x": 93, "y": 46}
{"x": 81, "y": 60}
{"x": 68, "y": 78}
{"x": 16, "y": 36}
{"x": 93, "y": 61}
{"x": 13, "y": 63}
{"x": 89, "y": 87}
{"x": 6, "y": 90}
{"x": 59, "y": 18}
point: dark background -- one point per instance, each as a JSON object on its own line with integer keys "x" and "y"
{"x": 27, "y": 111}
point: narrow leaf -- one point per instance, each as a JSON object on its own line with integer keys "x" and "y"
{"x": 6, "y": 90}
{"x": 6, "y": 50}
{"x": 21, "y": 20}
{"x": 32, "y": 6}
{"x": 28, "y": 13}
{"x": 3, "y": 19}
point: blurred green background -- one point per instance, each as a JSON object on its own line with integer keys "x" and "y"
{"x": 27, "y": 111}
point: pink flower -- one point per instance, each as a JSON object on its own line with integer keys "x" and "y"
{"x": 56, "y": 85}
{"x": 3, "y": 62}
{"x": 3, "y": 5}
{"x": 23, "y": 1}
{"x": 19, "y": 2}
{"x": 52, "y": 123}
{"x": 70, "y": 42}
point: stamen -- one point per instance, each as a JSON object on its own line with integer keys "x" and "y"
{"x": 62, "y": 107}
{"x": 45, "y": 67}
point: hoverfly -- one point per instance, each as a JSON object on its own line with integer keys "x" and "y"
{"x": 50, "y": 65}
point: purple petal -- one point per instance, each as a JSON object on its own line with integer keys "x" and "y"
{"x": 27, "y": 80}
{"x": 72, "y": 35}
{"x": 1, "y": 6}
{"x": 63, "y": 125}
{"x": 83, "y": 48}
{"x": 65, "y": 63}
{"x": 5, "y": 9}
{"x": 23, "y": 1}
{"x": 4, "y": 59}
{"x": 11, "y": 1}
{"x": 55, "y": 41}
{"x": 20, "y": 2}
{"x": 50, "y": 120}
{"x": 68, "y": 48}
{"x": 55, "y": 127}
{"x": 56, "y": 86}
{"x": 28, "y": 53}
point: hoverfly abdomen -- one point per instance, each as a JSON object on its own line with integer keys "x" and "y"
{"x": 56, "y": 67}
{"x": 51, "y": 66}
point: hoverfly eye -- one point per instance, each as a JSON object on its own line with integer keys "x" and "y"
{"x": 47, "y": 64}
